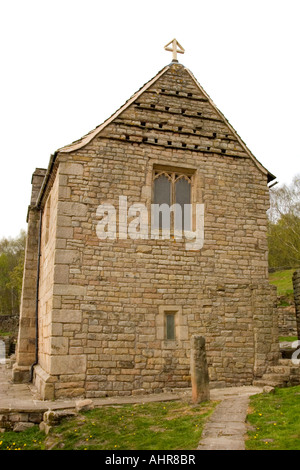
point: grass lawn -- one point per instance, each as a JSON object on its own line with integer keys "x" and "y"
{"x": 275, "y": 420}
{"x": 283, "y": 280}
{"x": 288, "y": 339}
{"x": 4, "y": 333}
{"x": 152, "y": 426}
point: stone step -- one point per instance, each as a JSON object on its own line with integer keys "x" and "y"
{"x": 271, "y": 383}
{"x": 294, "y": 368}
{"x": 276, "y": 377}
{"x": 295, "y": 380}
{"x": 285, "y": 362}
{"x": 275, "y": 380}
{"x": 280, "y": 370}
{"x": 283, "y": 374}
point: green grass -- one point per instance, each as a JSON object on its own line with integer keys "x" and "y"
{"x": 275, "y": 420}
{"x": 283, "y": 280}
{"x": 5, "y": 333}
{"x": 289, "y": 339}
{"x": 153, "y": 426}
{"x": 32, "y": 439}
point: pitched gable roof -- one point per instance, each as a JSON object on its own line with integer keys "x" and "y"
{"x": 95, "y": 132}
{"x": 78, "y": 144}
{"x": 234, "y": 132}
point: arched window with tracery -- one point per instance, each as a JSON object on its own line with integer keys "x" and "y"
{"x": 173, "y": 187}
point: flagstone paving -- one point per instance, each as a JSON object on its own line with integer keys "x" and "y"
{"x": 225, "y": 430}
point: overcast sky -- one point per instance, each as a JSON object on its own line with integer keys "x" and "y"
{"x": 67, "y": 65}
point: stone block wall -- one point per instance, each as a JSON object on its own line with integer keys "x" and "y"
{"x": 47, "y": 270}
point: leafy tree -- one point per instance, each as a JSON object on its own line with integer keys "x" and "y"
{"x": 284, "y": 225}
{"x": 11, "y": 273}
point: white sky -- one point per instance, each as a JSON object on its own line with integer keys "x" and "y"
{"x": 67, "y": 65}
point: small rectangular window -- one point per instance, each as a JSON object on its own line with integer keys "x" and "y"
{"x": 170, "y": 326}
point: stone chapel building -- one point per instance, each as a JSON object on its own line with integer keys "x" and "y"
{"x": 102, "y": 317}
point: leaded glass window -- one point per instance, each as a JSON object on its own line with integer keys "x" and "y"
{"x": 169, "y": 188}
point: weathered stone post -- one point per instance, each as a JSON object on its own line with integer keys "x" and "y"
{"x": 296, "y": 285}
{"x": 199, "y": 370}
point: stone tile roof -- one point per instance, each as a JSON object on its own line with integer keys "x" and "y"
{"x": 80, "y": 143}
{"x": 90, "y": 135}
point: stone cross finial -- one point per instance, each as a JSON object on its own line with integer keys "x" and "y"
{"x": 176, "y": 48}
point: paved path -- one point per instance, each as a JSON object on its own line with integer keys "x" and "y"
{"x": 226, "y": 428}
{"x": 23, "y": 397}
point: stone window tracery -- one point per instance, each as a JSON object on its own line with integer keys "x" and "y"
{"x": 173, "y": 188}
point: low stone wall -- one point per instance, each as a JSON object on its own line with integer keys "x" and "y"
{"x": 19, "y": 420}
{"x": 9, "y": 324}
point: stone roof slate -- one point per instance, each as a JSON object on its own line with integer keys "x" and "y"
{"x": 80, "y": 143}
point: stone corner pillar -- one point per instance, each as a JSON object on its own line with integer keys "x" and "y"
{"x": 25, "y": 349}
{"x": 199, "y": 370}
{"x": 26, "y": 345}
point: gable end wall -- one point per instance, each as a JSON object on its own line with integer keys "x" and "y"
{"x": 102, "y": 317}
